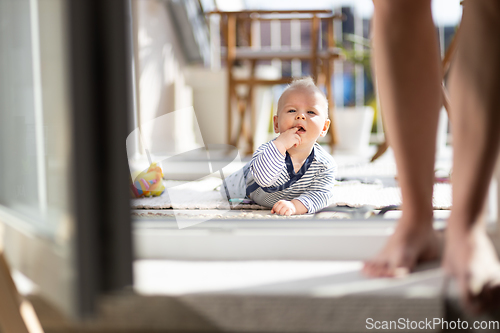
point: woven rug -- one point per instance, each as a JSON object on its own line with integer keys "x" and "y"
{"x": 201, "y": 195}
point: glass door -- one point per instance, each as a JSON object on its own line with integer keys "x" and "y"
{"x": 64, "y": 107}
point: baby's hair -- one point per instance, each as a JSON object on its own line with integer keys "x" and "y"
{"x": 306, "y": 83}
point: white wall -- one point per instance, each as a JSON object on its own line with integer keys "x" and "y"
{"x": 161, "y": 86}
{"x": 210, "y": 102}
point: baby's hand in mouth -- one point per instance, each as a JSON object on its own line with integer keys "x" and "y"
{"x": 288, "y": 139}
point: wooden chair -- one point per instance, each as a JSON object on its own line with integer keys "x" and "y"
{"x": 236, "y": 27}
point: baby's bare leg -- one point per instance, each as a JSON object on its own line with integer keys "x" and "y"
{"x": 474, "y": 88}
{"x": 408, "y": 72}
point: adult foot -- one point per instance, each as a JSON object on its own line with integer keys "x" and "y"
{"x": 471, "y": 259}
{"x": 411, "y": 243}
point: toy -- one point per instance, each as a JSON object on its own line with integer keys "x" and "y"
{"x": 148, "y": 183}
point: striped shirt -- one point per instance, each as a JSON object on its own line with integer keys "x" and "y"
{"x": 271, "y": 178}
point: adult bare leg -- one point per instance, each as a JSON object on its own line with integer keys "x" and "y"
{"x": 408, "y": 71}
{"x": 474, "y": 88}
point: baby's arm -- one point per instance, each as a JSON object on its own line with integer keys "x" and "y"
{"x": 317, "y": 197}
{"x": 268, "y": 161}
{"x": 320, "y": 192}
{"x": 266, "y": 164}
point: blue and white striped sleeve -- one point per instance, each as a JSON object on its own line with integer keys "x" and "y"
{"x": 267, "y": 164}
{"x": 320, "y": 192}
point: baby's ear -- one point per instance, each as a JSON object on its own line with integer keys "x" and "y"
{"x": 275, "y": 123}
{"x": 325, "y": 127}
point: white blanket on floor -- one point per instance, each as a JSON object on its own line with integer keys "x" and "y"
{"x": 201, "y": 195}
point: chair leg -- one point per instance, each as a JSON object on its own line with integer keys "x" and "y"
{"x": 446, "y": 101}
{"x": 15, "y": 315}
{"x": 240, "y": 129}
{"x": 232, "y": 100}
{"x": 328, "y": 69}
{"x": 231, "y": 51}
{"x": 251, "y": 109}
{"x": 314, "y": 47}
{"x": 381, "y": 149}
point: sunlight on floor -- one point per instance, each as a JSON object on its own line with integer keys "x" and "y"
{"x": 183, "y": 277}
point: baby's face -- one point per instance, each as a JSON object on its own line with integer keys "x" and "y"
{"x": 304, "y": 108}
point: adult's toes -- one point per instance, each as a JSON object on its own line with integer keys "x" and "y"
{"x": 372, "y": 268}
{"x": 367, "y": 268}
{"x": 399, "y": 271}
{"x": 381, "y": 269}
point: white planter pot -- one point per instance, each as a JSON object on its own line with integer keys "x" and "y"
{"x": 353, "y": 126}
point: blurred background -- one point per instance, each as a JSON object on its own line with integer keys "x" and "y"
{"x": 181, "y": 60}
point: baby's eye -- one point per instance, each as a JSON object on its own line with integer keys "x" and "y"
{"x": 292, "y": 110}
{"x": 311, "y": 112}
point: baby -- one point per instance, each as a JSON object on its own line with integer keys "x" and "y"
{"x": 291, "y": 173}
